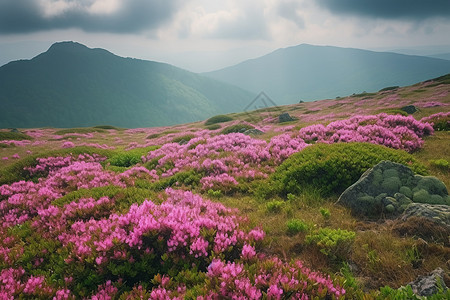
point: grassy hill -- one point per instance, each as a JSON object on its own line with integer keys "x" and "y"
{"x": 71, "y": 85}
{"x": 200, "y": 209}
{"x": 308, "y": 72}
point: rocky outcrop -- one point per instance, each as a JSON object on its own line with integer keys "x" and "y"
{"x": 409, "y": 109}
{"x": 429, "y": 284}
{"x": 389, "y": 188}
{"x": 439, "y": 214}
{"x": 285, "y": 117}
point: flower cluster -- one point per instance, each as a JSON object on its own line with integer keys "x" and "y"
{"x": 393, "y": 131}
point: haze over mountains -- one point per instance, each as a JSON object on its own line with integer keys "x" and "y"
{"x": 308, "y": 72}
{"x": 71, "y": 85}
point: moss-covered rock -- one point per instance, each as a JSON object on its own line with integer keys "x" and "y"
{"x": 389, "y": 188}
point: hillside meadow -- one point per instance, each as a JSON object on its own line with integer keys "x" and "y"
{"x": 204, "y": 211}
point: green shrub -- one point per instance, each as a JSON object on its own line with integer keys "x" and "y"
{"x": 214, "y": 193}
{"x": 213, "y": 127}
{"x": 295, "y": 226}
{"x": 335, "y": 243}
{"x": 440, "y": 164}
{"x": 153, "y": 136}
{"x": 3, "y": 145}
{"x": 331, "y": 168}
{"x": 185, "y": 138}
{"x": 274, "y": 206}
{"x": 14, "y": 136}
{"x": 325, "y": 213}
{"x": 189, "y": 178}
{"x": 218, "y": 119}
{"x": 122, "y": 158}
{"x": 237, "y": 128}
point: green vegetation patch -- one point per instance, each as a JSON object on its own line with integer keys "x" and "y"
{"x": 331, "y": 168}
{"x": 218, "y": 119}
{"x": 389, "y": 88}
{"x": 123, "y": 197}
{"x": 14, "y": 136}
{"x": 183, "y": 139}
{"x": 335, "y": 243}
{"x": 107, "y": 127}
{"x": 81, "y": 130}
{"x": 237, "y": 128}
{"x": 122, "y": 158}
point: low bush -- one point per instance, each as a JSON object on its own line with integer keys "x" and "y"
{"x": 331, "y": 168}
{"x": 440, "y": 164}
{"x": 295, "y": 226}
{"x": 213, "y": 127}
{"x": 183, "y": 139}
{"x": 274, "y": 206}
{"x": 238, "y": 128}
{"x": 334, "y": 243}
{"x": 122, "y": 158}
{"x": 218, "y": 119}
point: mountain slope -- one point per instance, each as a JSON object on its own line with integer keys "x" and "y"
{"x": 307, "y": 72}
{"x": 441, "y": 56}
{"x": 71, "y": 85}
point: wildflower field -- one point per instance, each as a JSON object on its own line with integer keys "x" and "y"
{"x": 204, "y": 210}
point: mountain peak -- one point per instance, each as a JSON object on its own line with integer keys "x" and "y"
{"x": 67, "y": 45}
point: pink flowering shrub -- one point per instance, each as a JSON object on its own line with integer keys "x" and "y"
{"x": 67, "y": 145}
{"x": 88, "y": 248}
{"x": 394, "y": 131}
{"x": 439, "y": 121}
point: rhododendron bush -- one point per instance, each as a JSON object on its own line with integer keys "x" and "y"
{"x": 86, "y": 248}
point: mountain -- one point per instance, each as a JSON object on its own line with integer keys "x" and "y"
{"x": 71, "y": 85}
{"x": 441, "y": 56}
{"x": 307, "y": 72}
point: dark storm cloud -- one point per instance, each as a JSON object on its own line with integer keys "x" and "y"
{"x": 23, "y": 16}
{"x": 390, "y": 9}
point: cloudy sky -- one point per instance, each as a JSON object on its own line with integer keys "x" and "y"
{"x": 203, "y": 35}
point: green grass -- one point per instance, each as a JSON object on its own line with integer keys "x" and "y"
{"x": 82, "y": 130}
{"x": 14, "y": 136}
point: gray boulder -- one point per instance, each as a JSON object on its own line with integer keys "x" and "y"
{"x": 429, "y": 284}
{"x": 285, "y": 117}
{"x": 409, "y": 109}
{"x": 389, "y": 188}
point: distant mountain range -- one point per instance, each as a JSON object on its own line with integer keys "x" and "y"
{"x": 71, "y": 85}
{"x": 307, "y": 72}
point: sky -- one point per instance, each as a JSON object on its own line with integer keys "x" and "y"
{"x": 204, "y": 35}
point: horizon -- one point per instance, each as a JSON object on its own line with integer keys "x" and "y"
{"x": 201, "y": 36}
